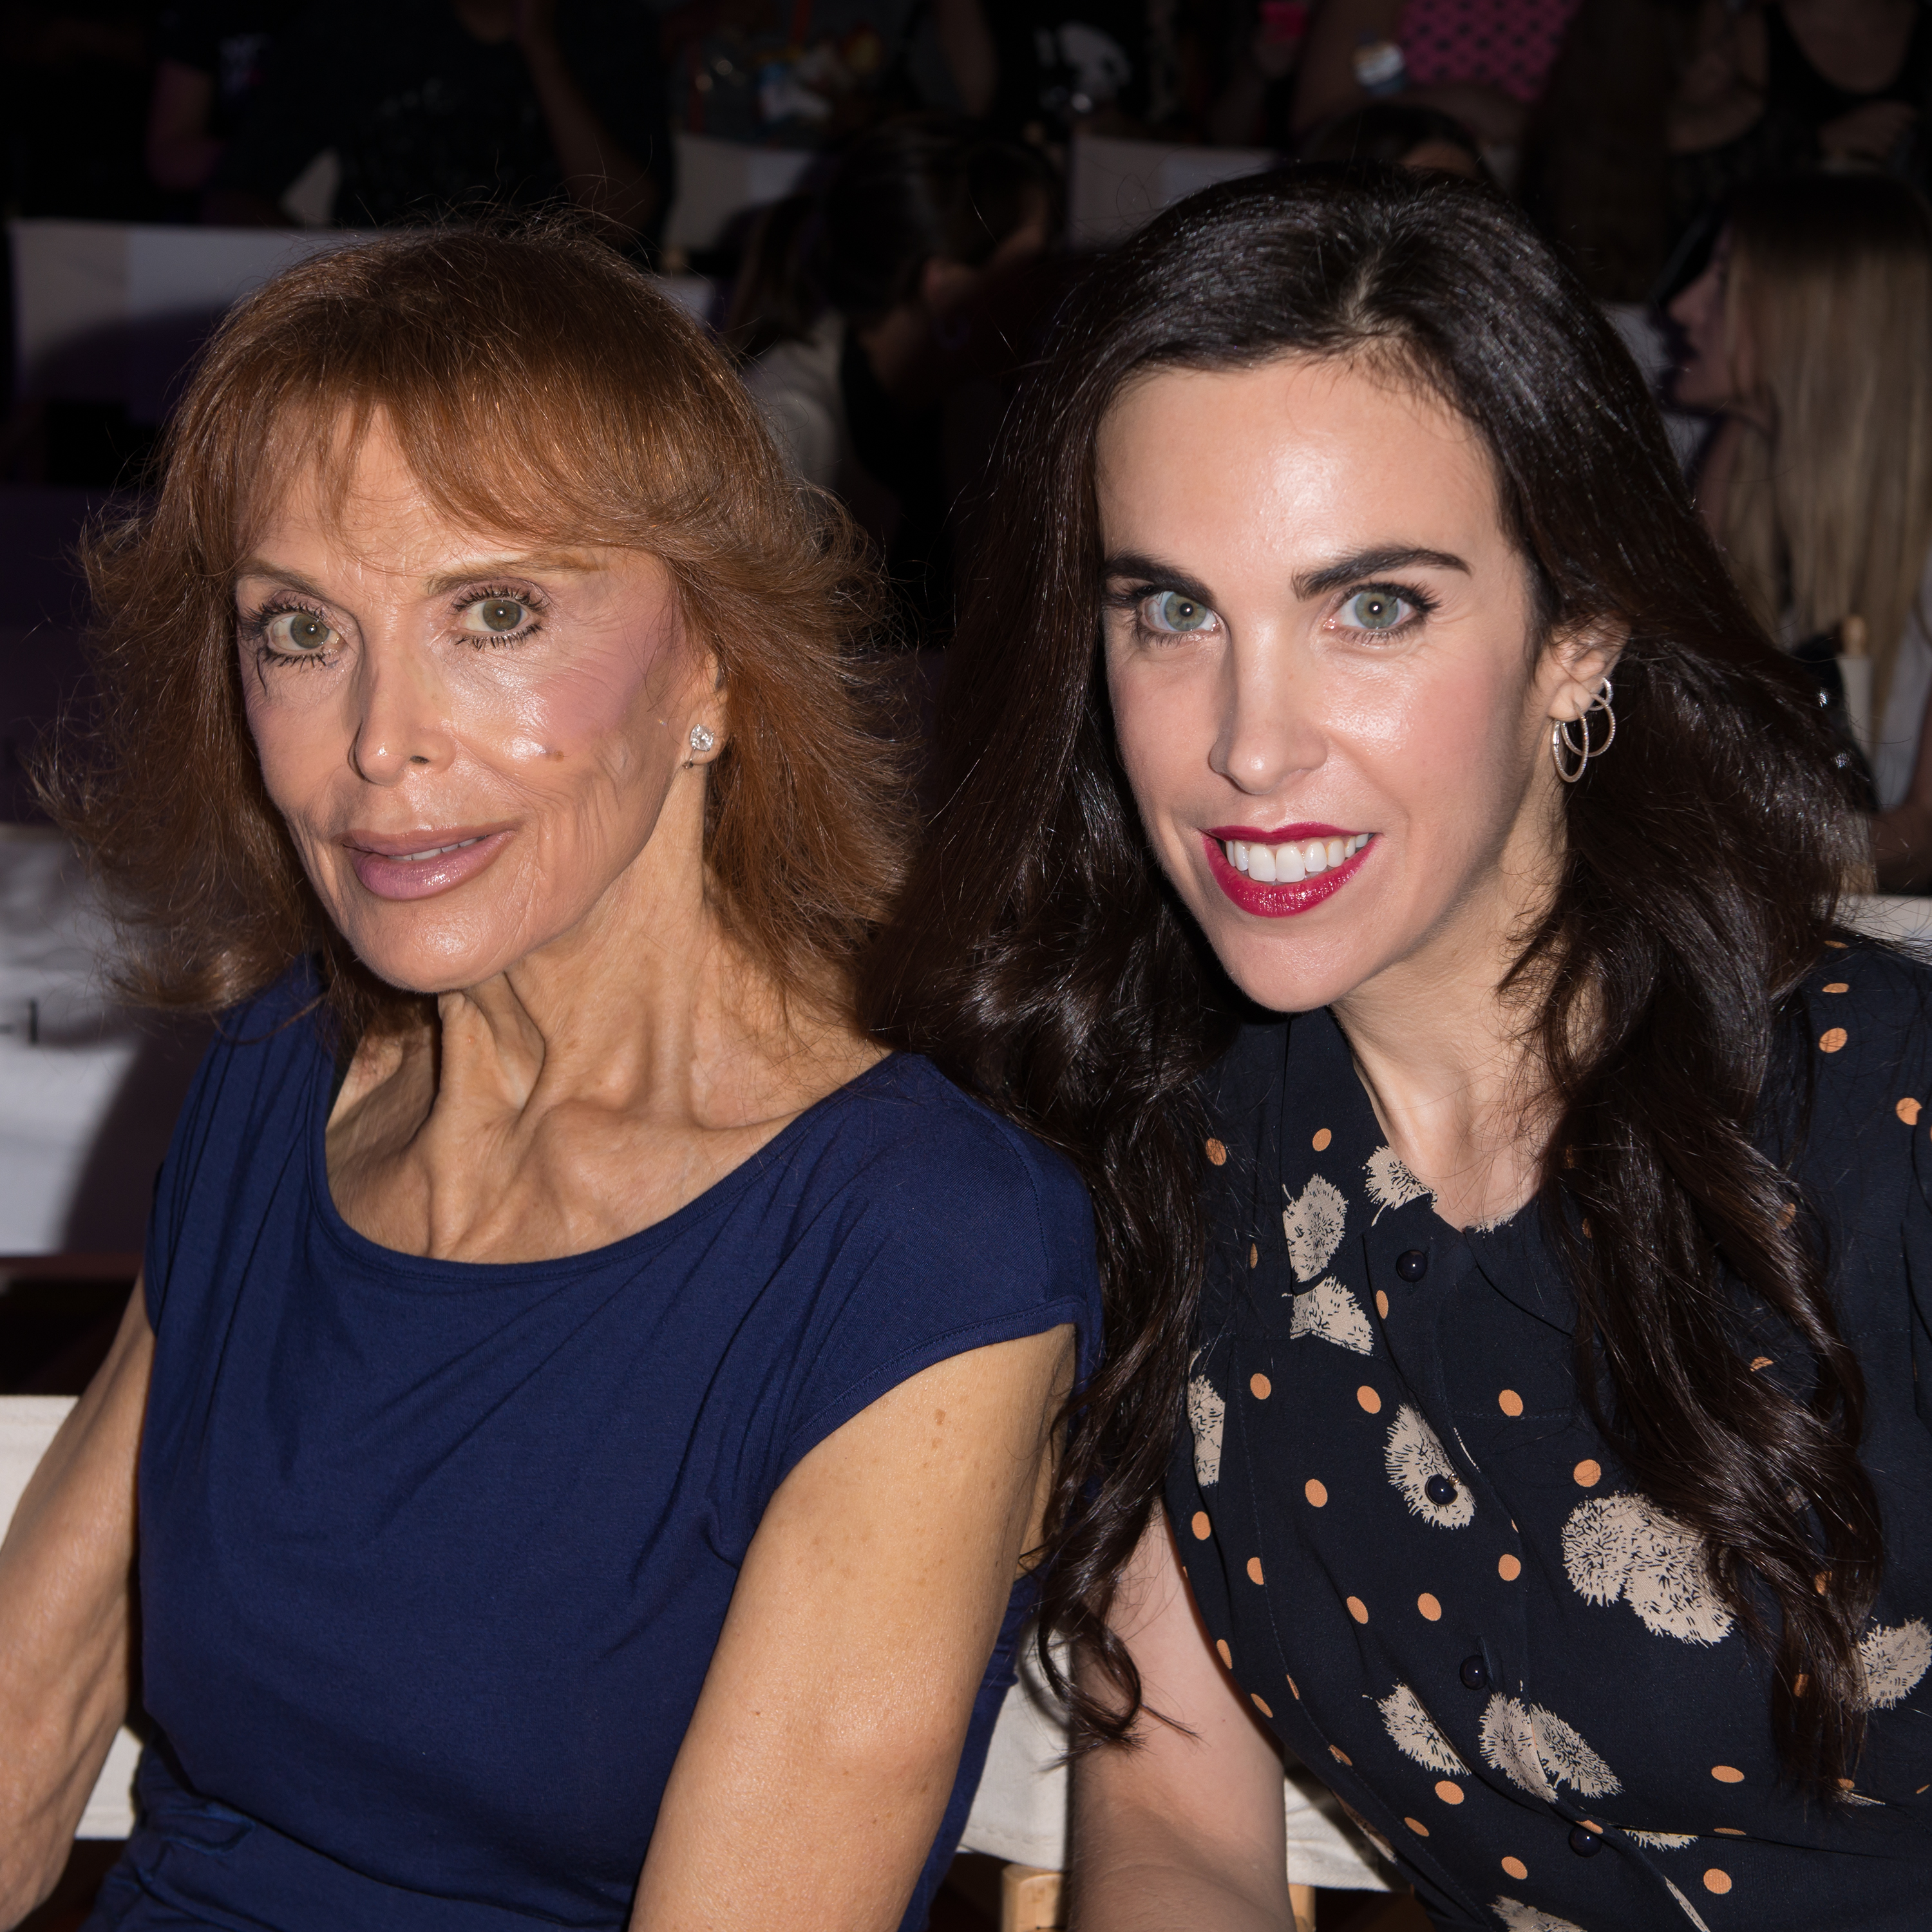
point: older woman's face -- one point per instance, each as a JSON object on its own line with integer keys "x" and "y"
{"x": 1318, "y": 654}
{"x": 471, "y": 740}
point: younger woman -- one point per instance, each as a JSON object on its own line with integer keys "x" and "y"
{"x": 1526, "y": 1323}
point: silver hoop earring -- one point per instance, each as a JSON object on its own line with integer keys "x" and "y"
{"x": 1563, "y": 747}
{"x": 702, "y": 739}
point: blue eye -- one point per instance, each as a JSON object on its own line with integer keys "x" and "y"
{"x": 1377, "y": 611}
{"x": 1171, "y": 612}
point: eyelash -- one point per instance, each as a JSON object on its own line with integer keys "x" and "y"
{"x": 1133, "y": 599}
{"x": 254, "y": 625}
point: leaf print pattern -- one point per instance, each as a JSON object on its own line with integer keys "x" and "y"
{"x": 1537, "y": 1751}
{"x": 1391, "y": 1183}
{"x": 1414, "y": 1454}
{"x": 1329, "y": 1312}
{"x": 1521, "y": 1918}
{"x": 1313, "y": 1221}
{"x": 1689, "y": 1911}
{"x": 1414, "y": 1733}
{"x": 1625, "y": 1546}
{"x": 1663, "y": 1841}
{"x": 1206, "y": 1415}
{"x": 1895, "y": 1657}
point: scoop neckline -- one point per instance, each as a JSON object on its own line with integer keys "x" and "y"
{"x": 634, "y": 1245}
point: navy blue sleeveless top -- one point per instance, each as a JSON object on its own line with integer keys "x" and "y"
{"x": 434, "y": 1556}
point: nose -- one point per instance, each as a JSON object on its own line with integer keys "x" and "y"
{"x": 1271, "y": 729}
{"x": 401, "y": 723}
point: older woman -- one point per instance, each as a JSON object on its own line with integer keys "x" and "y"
{"x": 1514, "y": 1404}
{"x": 588, "y": 1433}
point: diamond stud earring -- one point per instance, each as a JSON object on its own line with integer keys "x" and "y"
{"x": 701, "y": 738}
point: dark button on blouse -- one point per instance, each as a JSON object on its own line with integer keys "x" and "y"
{"x": 1486, "y": 1635}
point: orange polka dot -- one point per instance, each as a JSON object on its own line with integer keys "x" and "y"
{"x": 1727, "y": 1831}
{"x": 1260, "y": 1387}
{"x": 1837, "y": 945}
{"x": 1727, "y": 1774}
{"x": 1341, "y": 1756}
{"x": 1200, "y": 1526}
{"x": 1822, "y": 1582}
{"x": 1259, "y": 1705}
{"x": 1759, "y": 1362}
{"x": 1382, "y": 1303}
{"x": 1294, "y": 1690}
{"x": 1429, "y": 1607}
{"x": 1358, "y": 1609}
{"x": 1831, "y": 1039}
{"x": 1717, "y": 1881}
{"x": 1585, "y": 1224}
{"x": 1797, "y": 1684}
{"x": 1322, "y": 1138}
{"x": 1510, "y": 1403}
{"x": 1589, "y": 1473}
{"x": 1254, "y": 1569}
{"x": 1449, "y": 1791}
{"x": 1416, "y": 1826}
{"x": 1908, "y": 1110}
{"x": 1787, "y": 1214}
{"x": 1368, "y": 1398}
{"x": 1509, "y": 1568}
{"x": 1837, "y": 986}
{"x": 1254, "y": 1255}
{"x": 1226, "y": 1655}
{"x": 1217, "y": 1153}
{"x": 1315, "y": 1491}
{"x": 1515, "y": 1868}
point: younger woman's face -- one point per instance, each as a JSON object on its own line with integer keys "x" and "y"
{"x": 472, "y": 739}
{"x": 1319, "y": 656}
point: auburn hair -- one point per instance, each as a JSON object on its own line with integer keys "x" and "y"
{"x": 1042, "y": 959}
{"x": 539, "y": 386}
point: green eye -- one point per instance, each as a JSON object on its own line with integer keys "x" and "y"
{"x": 1376, "y": 611}
{"x": 299, "y": 634}
{"x": 1171, "y": 611}
{"x": 499, "y": 615}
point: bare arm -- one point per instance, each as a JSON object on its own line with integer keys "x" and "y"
{"x": 1181, "y": 1829}
{"x": 597, "y": 174}
{"x": 67, "y": 1581}
{"x": 181, "y": 153}
{"x": 818, "y": 1763}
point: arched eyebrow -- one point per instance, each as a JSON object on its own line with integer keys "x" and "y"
{"x": 1149, "y": 573}
{"x": 1372, "y": 563}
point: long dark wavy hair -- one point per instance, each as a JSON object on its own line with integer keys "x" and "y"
{"x": 1040, "y": 958}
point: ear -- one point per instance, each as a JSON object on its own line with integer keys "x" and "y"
{"x": 708, "y": 714}
{"x": 1575, "y": 666}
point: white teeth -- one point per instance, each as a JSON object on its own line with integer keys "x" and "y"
{"x": 1288, "y": 865}
{"x": 1315, "y": 856}
{"x": 1337, "y": 849}
{"x": 1238, "y": 853}
{"x": 1261, "y": 863}
{"x": 437, "y": 851}
{"x": 1285, "y": 865}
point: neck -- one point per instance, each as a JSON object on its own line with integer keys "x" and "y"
{"x": 1448, "y": 1056}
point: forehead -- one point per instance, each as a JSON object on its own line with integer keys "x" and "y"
{"x": 1289, "y": 449}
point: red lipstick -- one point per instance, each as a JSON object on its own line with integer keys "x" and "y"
{"x": 1284, "y": 899}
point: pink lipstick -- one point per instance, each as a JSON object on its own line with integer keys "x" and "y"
{"x": 419, "y": 865}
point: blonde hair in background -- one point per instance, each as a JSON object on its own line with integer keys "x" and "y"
{"x": 1828, "y": 313}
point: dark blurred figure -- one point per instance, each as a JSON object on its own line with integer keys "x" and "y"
{"x": 1810, "y": 334}
{"x": 435, "y": 105}
{"x": 1770, "y": 88}
{"x": 77, "y": 77}
{"x": 1484, "y": 61}
{"x": 1254, "y": 105}
{"x": 884, "y": 315}
{"x": 1394, "y": 130}
{"x": 211, "y": 57}
{"x": 1597, "y": 166}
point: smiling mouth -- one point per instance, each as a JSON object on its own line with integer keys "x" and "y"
{"x": 1292, "y": 861}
